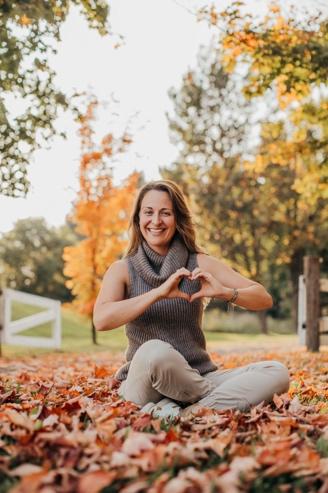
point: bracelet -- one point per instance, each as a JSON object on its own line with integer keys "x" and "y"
{"x": 234, "y": 296}
{"x": 230, "y": 302}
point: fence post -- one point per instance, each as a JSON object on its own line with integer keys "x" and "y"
{"x": 301, "y": 311}
{"x": 312, "y": 283}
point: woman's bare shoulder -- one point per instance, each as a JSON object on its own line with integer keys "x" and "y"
{"x": 204, "y": 260}
{"x": 209, "y": 262}
{"x": 119, "y": 270}
{"x": 223, "y": 272}
{"x": 212, "y": 264}
{"x": 115, "y": 284}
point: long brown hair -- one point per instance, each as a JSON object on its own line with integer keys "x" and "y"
{"x": 184, "y": 224}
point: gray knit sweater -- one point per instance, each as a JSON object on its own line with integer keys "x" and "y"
{"x": 173, "y": 320}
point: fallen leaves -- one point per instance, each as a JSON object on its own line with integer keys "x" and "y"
{"x": 64, "y": 428}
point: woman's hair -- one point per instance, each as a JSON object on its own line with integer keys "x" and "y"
{"x": 184, "y": 224}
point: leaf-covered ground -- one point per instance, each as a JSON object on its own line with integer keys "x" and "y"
{"x": 63, "y": 428}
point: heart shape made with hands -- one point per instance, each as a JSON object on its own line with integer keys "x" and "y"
{"x": 204, "y": 278}
{"x": 193, "y": 281}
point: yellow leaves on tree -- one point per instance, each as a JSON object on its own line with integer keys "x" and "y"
{"x": 101, "y": 215}
{"x": 281, "y": 51}
{"x": 292, "y": 160}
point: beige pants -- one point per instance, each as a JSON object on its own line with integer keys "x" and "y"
{"x": 158, "y": 370}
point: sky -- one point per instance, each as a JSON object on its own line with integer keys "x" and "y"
{"x": 161, "y": 42}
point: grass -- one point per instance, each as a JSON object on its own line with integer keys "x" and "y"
{"x": 242, "y": 322}
{"x": 240, "y": 330}
{"x": 222, "y": 330}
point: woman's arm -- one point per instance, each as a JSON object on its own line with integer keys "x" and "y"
{"x": 112, "y": 310}
{"x": 219, "y": 281}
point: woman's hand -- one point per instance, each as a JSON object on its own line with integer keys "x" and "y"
{"x": 170, "y": 288}
{"x": 210, "y": 286}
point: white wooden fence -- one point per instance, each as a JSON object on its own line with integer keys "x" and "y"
{"x": 11, "y": 328}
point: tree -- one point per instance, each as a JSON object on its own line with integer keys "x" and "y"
{"x": 211, "y": 120}
{"x": 101, "y": 215}
{"x": 29, "y": 31}
{"x": 31, "y": 258}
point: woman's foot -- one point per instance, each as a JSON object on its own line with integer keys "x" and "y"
{"x": 165, "y": 408}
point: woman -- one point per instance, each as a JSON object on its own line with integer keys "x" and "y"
{"x": 158, "y": 290}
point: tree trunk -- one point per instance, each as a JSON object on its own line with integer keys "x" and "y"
{"x": 94, "y": 334}
{"x": 262, "y": 315}
{"x": 312, "y": 284}
{"x": 295, "y": 269}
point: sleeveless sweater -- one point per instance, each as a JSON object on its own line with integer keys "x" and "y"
{"x": 174, "y": 320}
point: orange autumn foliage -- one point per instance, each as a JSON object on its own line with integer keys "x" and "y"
{"x": 101, "y": 215}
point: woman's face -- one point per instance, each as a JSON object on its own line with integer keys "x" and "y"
{"x": 157, "y": 221}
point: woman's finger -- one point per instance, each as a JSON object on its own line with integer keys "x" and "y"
{"x": 197, "y": 295}
{"x": 182, "y": 272}
{"x": 196, "y": 271}
{"x": 184, "y": 295}
{"x": 205, "y": 275}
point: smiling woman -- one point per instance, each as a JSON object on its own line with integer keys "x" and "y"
{"x": 157, "y": 290}
{"x": 157, "y": 221}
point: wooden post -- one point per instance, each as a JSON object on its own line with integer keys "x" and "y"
{"x": 312, "y": 283}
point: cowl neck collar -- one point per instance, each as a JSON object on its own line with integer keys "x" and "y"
{"x": 155, "y": 268}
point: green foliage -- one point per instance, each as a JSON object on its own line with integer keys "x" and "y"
{"x": 210, "y": 120}
{"x": 29, "y": 31}
{"x": 31, "y": 258}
